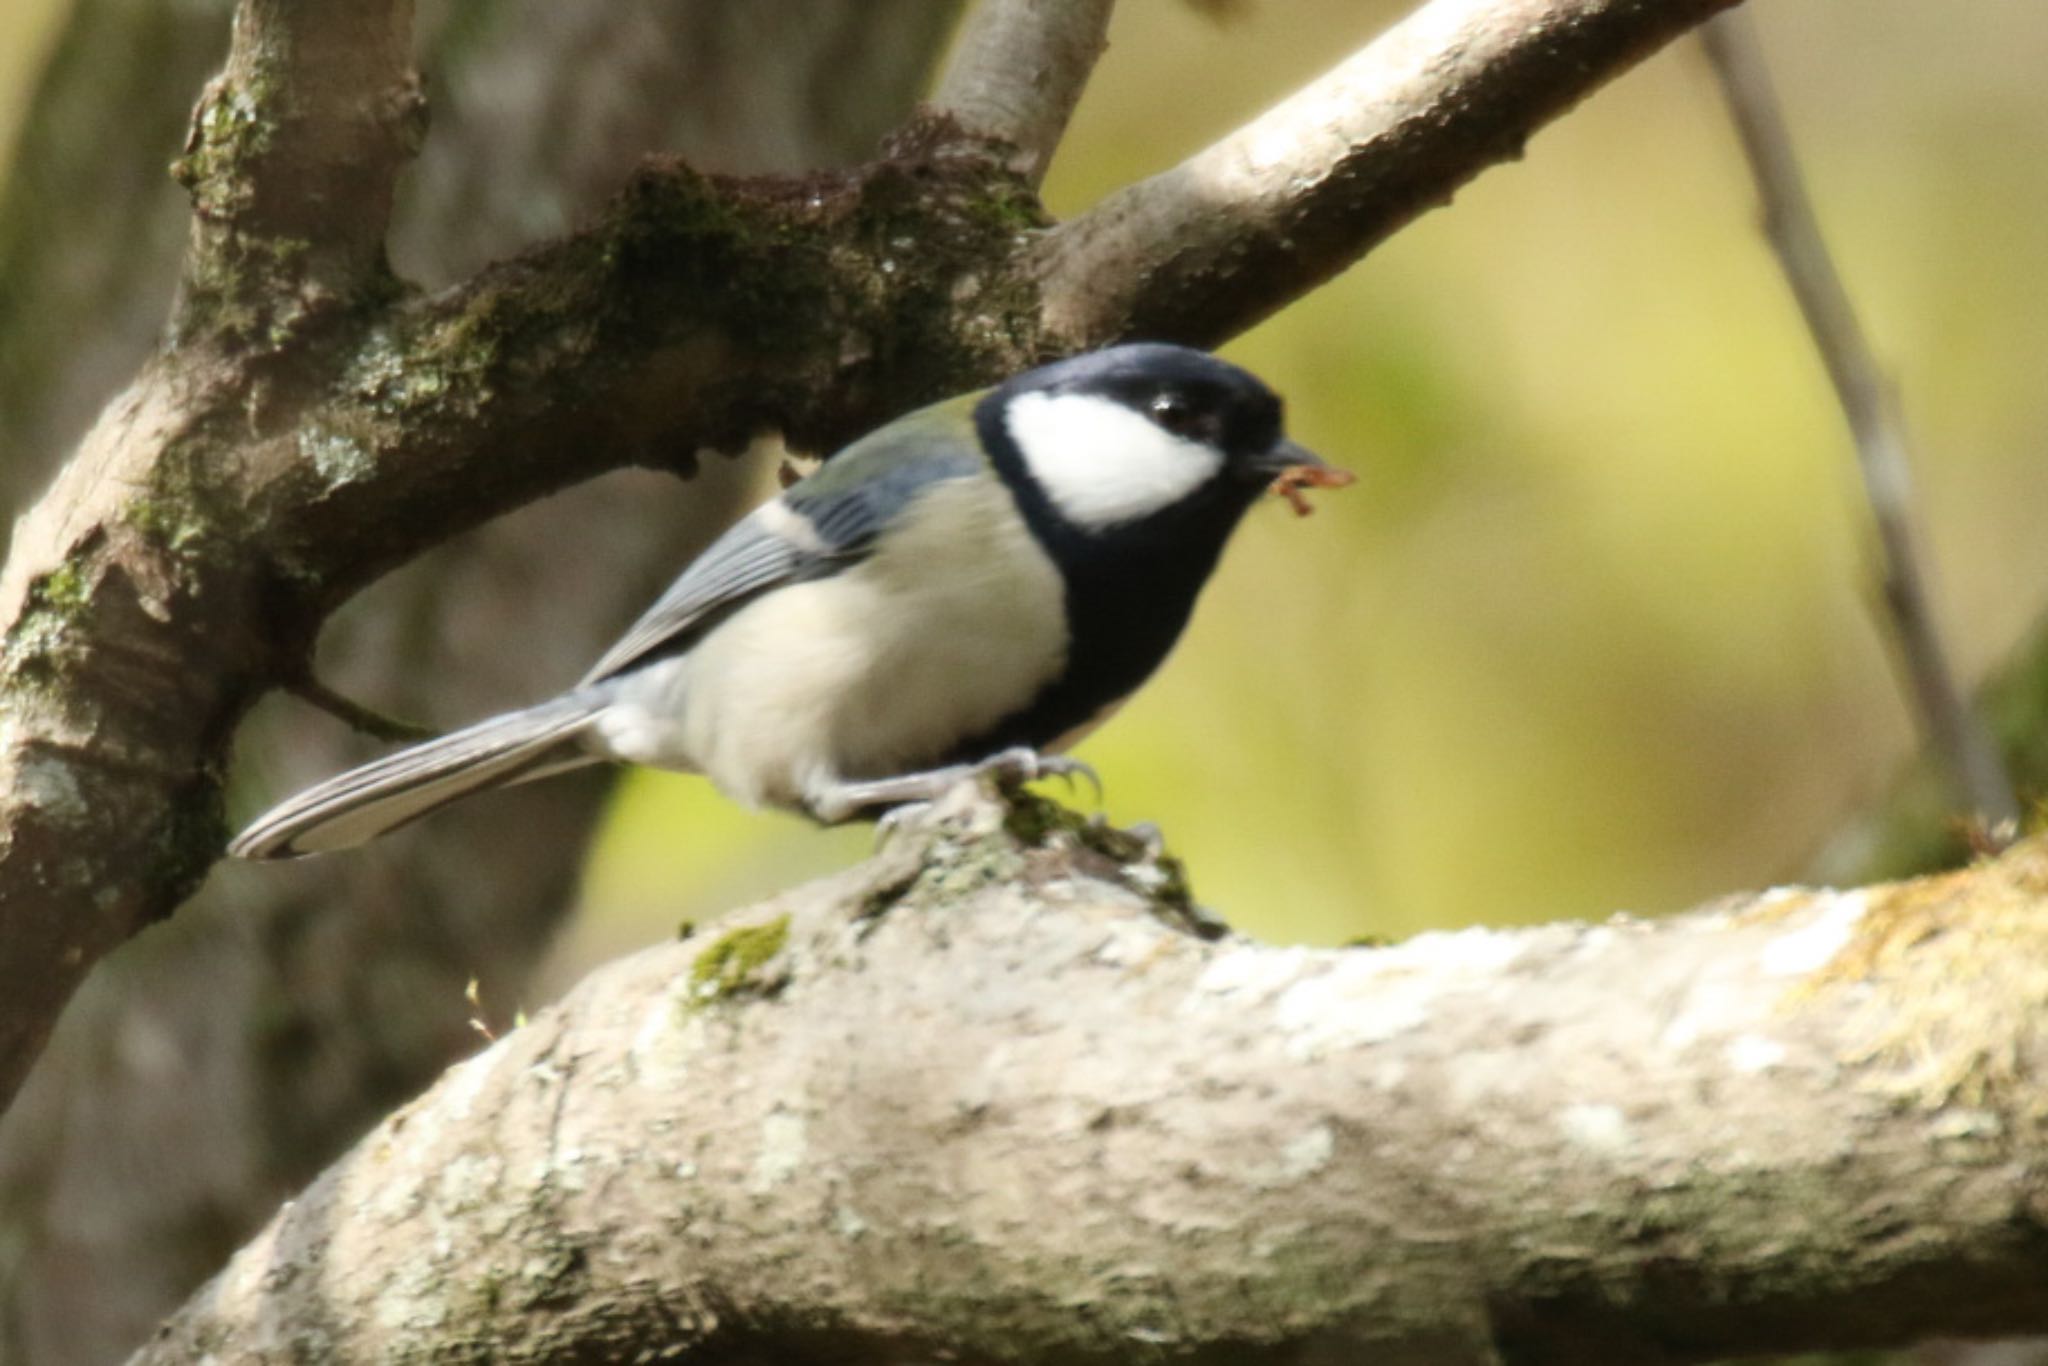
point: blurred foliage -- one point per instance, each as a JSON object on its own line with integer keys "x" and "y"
{"x": 26, "y": 29}
{"x": 1592, "y": 631}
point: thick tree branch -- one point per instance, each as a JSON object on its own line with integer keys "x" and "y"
{"x": 1871, "y": 408}
{"x": 253, "y": 477}
{"x": 981, "y": 1100}
{"x": 1019, "y": 69}
{"x": 1206, "y": 249}
{"x": 278, "y": 1031}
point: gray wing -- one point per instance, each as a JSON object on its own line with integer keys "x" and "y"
{"x": 822, "y": 526}
{"x": 748, "y": 560}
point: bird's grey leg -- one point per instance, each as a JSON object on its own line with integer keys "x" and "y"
{"x": 837, "y": 801}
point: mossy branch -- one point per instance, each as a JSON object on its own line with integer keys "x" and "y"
{"x": 985, "y": 1100}
{"x": 315, "y": 424}
{"x": 292, "y": 159}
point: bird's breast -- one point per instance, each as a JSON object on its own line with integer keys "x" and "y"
{"x": 954, "y": 623}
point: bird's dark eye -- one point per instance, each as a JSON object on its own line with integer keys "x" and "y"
{"x": 1177, "y": 415}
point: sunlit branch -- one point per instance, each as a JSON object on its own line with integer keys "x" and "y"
{"x": 1019, "y": 69}
{"x": 922, "y": 1113}
{"x": 1204, "y": 250}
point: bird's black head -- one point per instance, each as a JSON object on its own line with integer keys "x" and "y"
{"x": 1134, "y": 432}
{"x": 1131, "y": 466}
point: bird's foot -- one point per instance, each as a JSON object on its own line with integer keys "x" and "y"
{"x": 1022, "y": 764}
{"x": 1013, "y": 767}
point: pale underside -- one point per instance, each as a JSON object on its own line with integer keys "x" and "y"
{"x": 879, "y": 670}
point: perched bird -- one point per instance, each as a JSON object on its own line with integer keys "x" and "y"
{"x": 974, "y": 586}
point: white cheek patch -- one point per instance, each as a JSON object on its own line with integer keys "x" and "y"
{"x": 1101, "y": 463}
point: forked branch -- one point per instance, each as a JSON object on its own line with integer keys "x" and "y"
{"x": 236, "y": 493}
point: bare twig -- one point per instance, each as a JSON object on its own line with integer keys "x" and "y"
{"x": 1018, "y": 71}
{"x": 355, "y": 715}
{"x": 1204, "y": 250}
{"x": 918, "y": 1113}
{"x": 1869, "y": 404}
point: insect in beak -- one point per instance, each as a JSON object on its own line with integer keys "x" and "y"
{"x": 1301, "y": 469}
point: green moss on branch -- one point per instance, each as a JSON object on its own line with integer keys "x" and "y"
{"x": 733, "y": 963}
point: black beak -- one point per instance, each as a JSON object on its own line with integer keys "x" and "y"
{"x": 1287, "y": 455}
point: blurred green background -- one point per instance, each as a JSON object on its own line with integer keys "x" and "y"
{"x": 1592, "y": 632}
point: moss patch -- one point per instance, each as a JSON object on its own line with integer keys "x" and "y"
{"x": 1137, "y": 861}
{"x": 35, "y": 648}
{"x": 733, "y": 962}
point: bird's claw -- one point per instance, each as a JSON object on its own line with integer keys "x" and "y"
{"x": 1025, "y": 765}
{"x": 1060, "y": 766}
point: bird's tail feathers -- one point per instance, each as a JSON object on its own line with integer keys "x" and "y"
{"x": 382, "y": 795}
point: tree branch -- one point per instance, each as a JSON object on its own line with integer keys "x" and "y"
{"x": 278, "y": 1027}
{"x": 293, "y": 158}
{"x": 253, "y": 478}
{"x": 1208, "y": 248}
{"x": 981, "y": 1100}
{"x": 1871, "y": 407}
{"x": 1017, "y": 72}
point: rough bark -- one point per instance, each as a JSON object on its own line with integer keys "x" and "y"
{"x": 214, "y": 1069}
{"x": 290, "y": 450}
{"x": 292, "y": 160}
{"x": 989, "y": 1099}
{"x": 328, "y": 401}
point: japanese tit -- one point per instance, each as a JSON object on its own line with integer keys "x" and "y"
{"x": 978, "y": 584}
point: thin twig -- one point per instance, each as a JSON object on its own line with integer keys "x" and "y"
{"x": 1018, "y": 71}
{"x": 355, "y": 715}
{"x": 1870, "y": 405}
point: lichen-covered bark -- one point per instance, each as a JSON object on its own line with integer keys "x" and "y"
{"x": 986, "y": 1100}
{"x": 249, "y": 481}
{"x": 292, "y": 160}
{"x": 276, "y": 460}
{"x": 287, "y": 1010}
{"x": 293, "y": 447}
